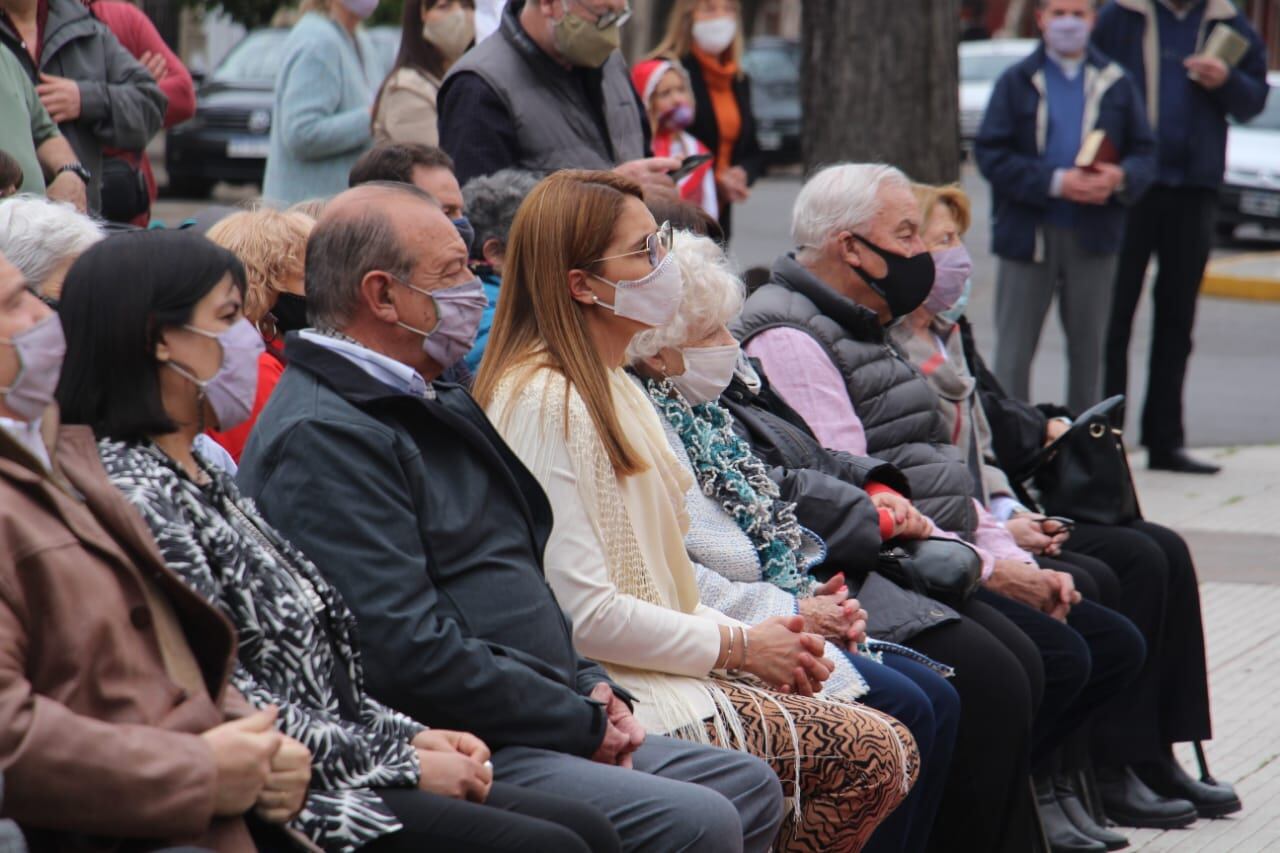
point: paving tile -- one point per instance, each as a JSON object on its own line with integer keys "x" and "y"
{"x": 1242, "y": 624}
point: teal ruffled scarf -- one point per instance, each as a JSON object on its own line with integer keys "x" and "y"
{"x": 729, "y": 472}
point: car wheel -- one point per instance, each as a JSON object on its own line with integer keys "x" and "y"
{"x": 1226, "y": 232}
{"x": 189, "y": 186}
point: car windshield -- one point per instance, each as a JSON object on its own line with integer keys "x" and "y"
{"x": 985, "y": 67}
{"x": 1269, "y": 118}
{"x": 773, "y": 64}
{"x": 254, "y": 60}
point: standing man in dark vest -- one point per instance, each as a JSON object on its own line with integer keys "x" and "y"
{"x": 549, "y": 90}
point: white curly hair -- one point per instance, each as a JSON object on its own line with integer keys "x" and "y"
{"x": 38, "y": 235}
{"x": 713, "y": 295}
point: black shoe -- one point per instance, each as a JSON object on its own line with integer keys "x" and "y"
{"x": 1064, "y": 788}
{"x": 1059, "y": 831}
{"x": 1168, "y": 779}
{"x": 1130, "y": 803}
{"x": 1179, "y": 461}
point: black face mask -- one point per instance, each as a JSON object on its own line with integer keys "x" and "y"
{"x": 290, "y": 312}
{"x": 906, "y": 282}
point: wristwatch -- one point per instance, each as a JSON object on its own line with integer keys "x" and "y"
{"x": 77, "y": 169}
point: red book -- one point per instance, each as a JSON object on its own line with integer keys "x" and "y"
{"x": 1097, "y": 148}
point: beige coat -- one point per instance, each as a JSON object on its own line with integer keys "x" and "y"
{"x": 110, "y": 666}
{"x": 407, "y": 109}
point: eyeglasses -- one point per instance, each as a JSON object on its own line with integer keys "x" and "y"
{"x": 656, "y": 245}
{"x": 605, "y": 20}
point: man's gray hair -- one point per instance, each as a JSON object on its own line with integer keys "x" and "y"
{"x": 37, "y": 235}
{"x": 491, "y": 202}
{"x": 844, "y": 197}
{"x": 713, "y": 295}
{"x": 343, "y": 249}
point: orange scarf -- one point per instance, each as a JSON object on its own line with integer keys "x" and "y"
{"x": 720, "y": 76}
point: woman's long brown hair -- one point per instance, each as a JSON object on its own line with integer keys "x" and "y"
{"x": 565, "y": 223}
{"x": 677, "y": 42}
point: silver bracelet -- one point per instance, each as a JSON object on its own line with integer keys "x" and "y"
{"x": 746, "y": 647}
{"x": 728, "y": 658}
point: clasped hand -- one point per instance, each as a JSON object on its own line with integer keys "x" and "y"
{"x": 623, "y": 733}
{"x": 831, "y": 613}
{"x": 453, "y": 764}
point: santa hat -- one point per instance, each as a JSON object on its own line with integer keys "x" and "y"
{"x": 646, "y": 75}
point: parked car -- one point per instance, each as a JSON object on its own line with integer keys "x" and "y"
{"x": 774, "y": 67}
{"x": 981, "y": 63}
{"x": 229, "y": 136}
{"x": 227, "y": 139}
{"x": 1251, "y": 187}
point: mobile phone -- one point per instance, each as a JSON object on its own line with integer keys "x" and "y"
{"x": 690, "y": 163}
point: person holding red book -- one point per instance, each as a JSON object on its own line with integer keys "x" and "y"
{"x": 1056, "y": 226}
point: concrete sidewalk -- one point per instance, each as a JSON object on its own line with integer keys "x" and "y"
{"x": 1231, "y": 519}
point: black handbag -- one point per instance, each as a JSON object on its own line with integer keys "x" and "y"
{"x": 947, "y": 570}
{"x": 124, "y": 191}
{"x": 1084, "y": 474}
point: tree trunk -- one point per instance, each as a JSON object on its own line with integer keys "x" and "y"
{"x": 879, "y": 84}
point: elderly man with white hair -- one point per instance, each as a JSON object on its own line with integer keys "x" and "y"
{"x": 818, "y": 328}
{"x": 43, "y": 238}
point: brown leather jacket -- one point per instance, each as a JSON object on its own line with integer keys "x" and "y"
{"x": 99, "y": 739}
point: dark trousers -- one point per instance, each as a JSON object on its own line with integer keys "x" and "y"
{"x": 929, "y": 707}
{"x": 1159, "y": 592}
{"x": 1087, "y": 661}
{"x": 1000, "y": 678}
{"x": 1176, "y": 224}
{"x": 512, "y": 820}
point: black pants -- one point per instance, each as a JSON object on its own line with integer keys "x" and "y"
{"x": 1169, "y": 701}
{"x": 1086, "y": 661}
{"x": 512, "y": 820}
{"x": 1177, "y": 225}
{"x": 1000, "y": 679}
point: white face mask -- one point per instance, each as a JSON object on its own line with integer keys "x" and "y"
{"x": 652, "y": 300}
{"x": 707, "y": 372}
{"x": 716, "y": 34}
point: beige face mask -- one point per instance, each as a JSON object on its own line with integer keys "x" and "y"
{"x": 582, "y": 43}
{"x": 451, "y": 32}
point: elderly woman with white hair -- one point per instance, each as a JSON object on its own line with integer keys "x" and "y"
{"x": 750, "y": 554}
{"x": 42, "y": 238}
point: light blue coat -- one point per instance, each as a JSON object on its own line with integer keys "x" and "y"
{"x": 320, "y": 126}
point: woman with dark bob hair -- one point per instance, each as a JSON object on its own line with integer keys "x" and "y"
{"x": 159, "y": 350}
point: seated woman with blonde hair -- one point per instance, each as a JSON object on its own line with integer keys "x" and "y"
{"x": 272, "y": 245}
{"x": 586, "y": 269}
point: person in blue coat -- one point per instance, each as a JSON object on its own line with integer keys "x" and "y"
{"x": 492, "y": 202}
{"x": 1056, "y": 226}
{"x": 1188, "y": 98}
{"x": 324, "y": 91}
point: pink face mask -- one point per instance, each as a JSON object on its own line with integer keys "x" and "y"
{"x": 232, "y": 390}
{"x": 40, "y": 350}
{"x": 952, "y": 268}
{"x": 677, "y": 118}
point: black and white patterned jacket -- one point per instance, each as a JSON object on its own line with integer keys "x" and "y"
{"x": 297, "y": 640}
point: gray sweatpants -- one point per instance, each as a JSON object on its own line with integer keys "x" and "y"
{"x": 1083, "y": 282}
